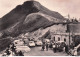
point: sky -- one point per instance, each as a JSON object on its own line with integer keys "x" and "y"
{"x": 64, "y": 7}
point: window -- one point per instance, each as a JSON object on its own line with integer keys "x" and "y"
{"x": 64, "y": 39}
{"x": 58, "y": 38}
{"x": 54, "y": 38}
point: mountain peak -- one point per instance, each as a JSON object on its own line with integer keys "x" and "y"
{"x": 31, "y": 3}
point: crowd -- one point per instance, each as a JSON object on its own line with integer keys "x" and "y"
{"x": 11, "y": 51}
{"x": 55, "y": 47}
{"x": 68, "y": 49}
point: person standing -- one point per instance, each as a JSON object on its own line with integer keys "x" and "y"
{"x": 47, "y": 46}
{"x": 63, "y": 49}
{"x": 50, "y": 46}
{"x": 66, "y": 49}
{"x": 43, "y": 46}
{"x": 54, "y": 48}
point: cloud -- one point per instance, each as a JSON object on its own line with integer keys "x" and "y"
{"x": 62, "y": 6}
{"x": 69, "y": 6}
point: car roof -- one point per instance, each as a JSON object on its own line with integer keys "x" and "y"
{"x": 16, "y": 40}
{"x": 31, "y": 41}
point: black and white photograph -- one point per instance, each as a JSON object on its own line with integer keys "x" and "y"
{"x": 39, "y": 27}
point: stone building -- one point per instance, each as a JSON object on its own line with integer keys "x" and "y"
{"x": 58, "y": 33}
{"x": 65, "y": 32}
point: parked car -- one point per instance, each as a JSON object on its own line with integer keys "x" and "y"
{"x": 31, "y": 44}
{"x": 23, "y": 48}
{"x": 38, "y": 42}
{"x": 18, "y": 43}
{"x": 26, "y": 41}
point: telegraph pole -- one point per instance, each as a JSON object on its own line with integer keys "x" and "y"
{"x": 69, "y": 29}
{"x": 69, "y": 37}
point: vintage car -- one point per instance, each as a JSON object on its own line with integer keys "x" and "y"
{"x": 18, "y": 43}
{"x": 31, "y": 44}
{"x": 38, "y": 42}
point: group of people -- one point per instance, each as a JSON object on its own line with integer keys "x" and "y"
{"x": 59, "y": 48}
{"x": 55, "y": 47}
{"x": 11, "y": 51}
{"x": 45, "y": 46}
{"x": 69, "y": 50}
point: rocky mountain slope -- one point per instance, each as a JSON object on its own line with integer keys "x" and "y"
{"x": 28, "y": 17}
